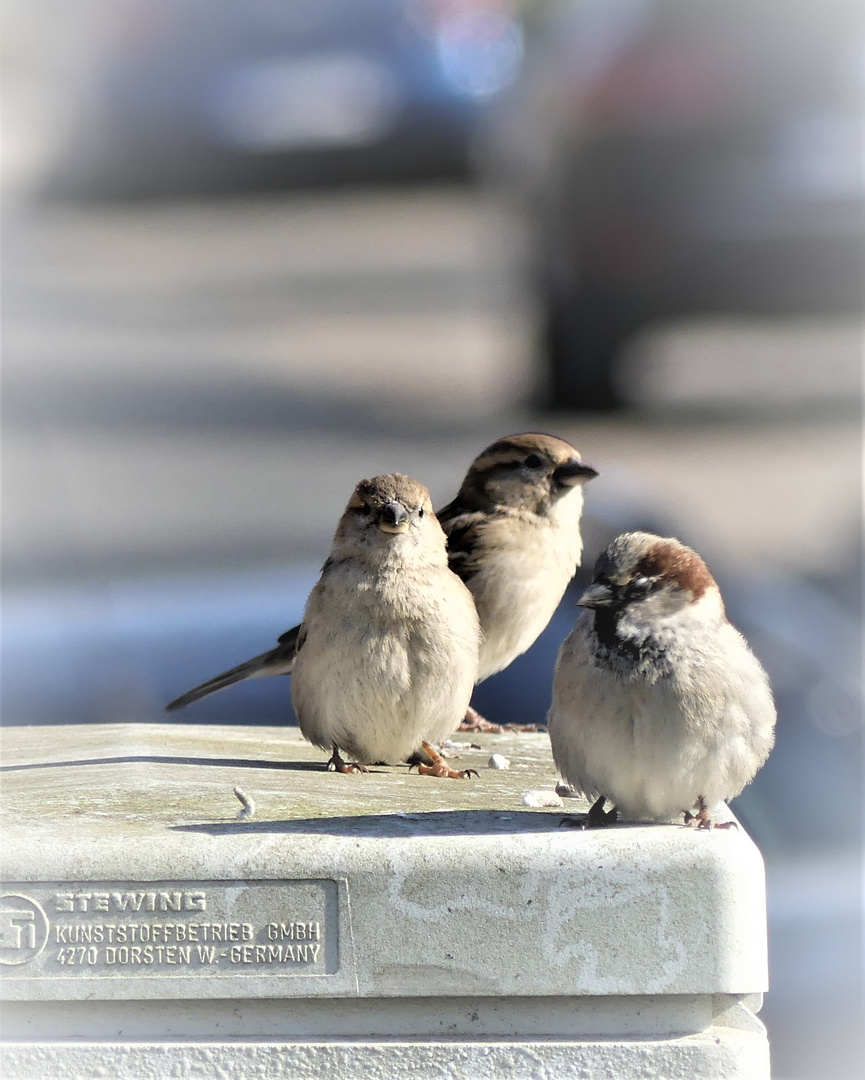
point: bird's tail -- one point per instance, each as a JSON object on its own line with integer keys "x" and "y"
{"x": 278, "y": 661}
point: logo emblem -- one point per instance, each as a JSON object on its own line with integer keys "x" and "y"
{"x": 23, "y": 929}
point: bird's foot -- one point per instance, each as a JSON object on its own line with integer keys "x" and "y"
{"x": 439, "y": 768}
{"x": 703, "y": 819}
{"x": 475, "y": 722}
{"x": 444, "y": 771}
{"x": 598, "y": 818}
{"x": 336, "y": 764}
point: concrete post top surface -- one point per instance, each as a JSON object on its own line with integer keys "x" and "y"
{"x": 407, "y": 884}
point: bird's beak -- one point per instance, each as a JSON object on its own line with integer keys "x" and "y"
{"x": 394, "y": 518}
{"x": 573, "y": 472}
{"x": 597, "y": 595}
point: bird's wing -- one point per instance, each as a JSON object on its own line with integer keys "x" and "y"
{"x": 291, "y": 641}
{"x": 465, "y": 542}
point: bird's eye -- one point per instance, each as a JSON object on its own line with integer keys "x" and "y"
{"x": 533, "y": 461}
{"x": 364, "y": 509}
{"x": 420, "y": 511}
{"x": 642, "y": 586}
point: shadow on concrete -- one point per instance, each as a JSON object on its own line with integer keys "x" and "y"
{"x": 159, "y": 759}
{"x": 431, "y": 823}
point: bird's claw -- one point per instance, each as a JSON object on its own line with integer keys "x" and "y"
{"x": 694, "y": 821}
{"x": 482, "y": 726}
{"x": 703, "y": 819}
{"x": 598, "y": 818}
{"x": 442, "y": 770}
{"x": 473, "y": 721}
{"x": 336, "y": 764}
{"x": 438, "y": 767}
{"x": 479, "y": 726}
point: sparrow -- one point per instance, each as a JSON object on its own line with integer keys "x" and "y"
{"x": 386, "y": 657}
{"x": 658, "y": 703}
{"x": 513, "y": 537}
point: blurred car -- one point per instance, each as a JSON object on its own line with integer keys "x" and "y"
{"x": 683, "y": 156}
{"x": 199, "y": 95}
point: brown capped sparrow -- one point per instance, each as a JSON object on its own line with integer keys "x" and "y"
{"x": 386, "y": 657}
{"x": 659, "y": 705}
{"x": 513, "y": 537}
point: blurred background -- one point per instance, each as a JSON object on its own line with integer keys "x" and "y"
{"x": 254, "y": 250}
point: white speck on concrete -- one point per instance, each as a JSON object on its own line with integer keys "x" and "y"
{"x": 247, "y": 805}
{"x": 541, "y": 798}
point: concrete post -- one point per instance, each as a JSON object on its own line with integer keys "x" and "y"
{"x": 357, "y": 926}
